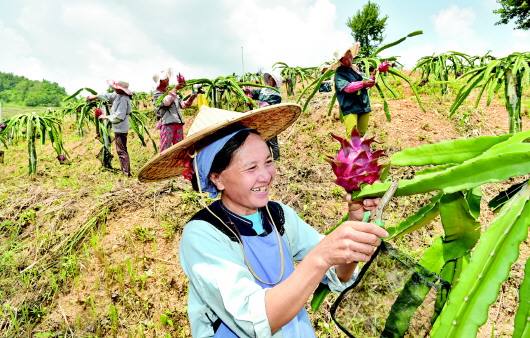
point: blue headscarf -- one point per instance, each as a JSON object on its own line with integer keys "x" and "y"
{"x": 204, "y": 160}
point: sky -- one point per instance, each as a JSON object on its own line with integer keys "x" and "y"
{"x": 84, "y": 43}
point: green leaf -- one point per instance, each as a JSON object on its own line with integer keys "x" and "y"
{"x": 385, "y": 104}
{"x": 421, "y": 218}
{"x": 455, "y": 151}
{"x": 522, "y": 322}
{"x": 412, "y": 86}
{"x": 406, "y": 304}
{"x": 461, "y": 229}
{"x": 397, "y": 42}
{"x": 485, "y": 168}
{"x": 467, "y": 307}
{"x": 319, "y": 295}
{"x": 90, "y": 90}
{"x": 433, "y": 258}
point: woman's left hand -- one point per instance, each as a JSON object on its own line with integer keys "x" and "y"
{"x": 357, "y": 208}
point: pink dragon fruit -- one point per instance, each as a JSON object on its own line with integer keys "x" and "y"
{"x": 384, "y": 66}
{"x": 98, "y": 112}
{"x": 355, "y": 162}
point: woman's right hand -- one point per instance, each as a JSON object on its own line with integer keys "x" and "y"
{"x": 351, "y": 242}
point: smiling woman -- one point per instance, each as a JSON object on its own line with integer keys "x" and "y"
{"x": 239, "y": 251}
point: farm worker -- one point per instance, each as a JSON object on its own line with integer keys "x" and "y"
{"x": 238, "y": 252}
{"x": 267, "y": 97}
{"x": 202, "y": 100}
{"x": 119, "y": 118}
{"x": 325, "y": 86}
{"x": 170, "y": 120}
{"x": 352, "y": 92}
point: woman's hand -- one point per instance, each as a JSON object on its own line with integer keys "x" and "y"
{"x": 351, "y": 242}
{"x": 368, "y": 83}
{"x": 356, "y": 209}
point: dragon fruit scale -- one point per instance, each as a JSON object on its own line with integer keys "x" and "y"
{"x": 355, "y": 162}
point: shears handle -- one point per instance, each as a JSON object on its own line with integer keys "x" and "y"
{"x": 366, "y": 218}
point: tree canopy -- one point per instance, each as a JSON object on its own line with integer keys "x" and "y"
{"x": 367, "y": 27}
{"x": 20, "y": 90}
{"x": 518, "y": 10}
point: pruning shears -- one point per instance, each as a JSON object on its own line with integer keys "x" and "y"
{"x": 378, "y": 219}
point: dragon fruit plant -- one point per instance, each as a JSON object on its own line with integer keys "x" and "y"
{"x": 355, "y": 163}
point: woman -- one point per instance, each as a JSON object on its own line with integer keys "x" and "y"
{"x": 238, "y": 252}
{"x": 267, "y": 97}
{"x": 352, "y": 92}
{"x": 170, "y": 121}
{"x": 119, "y": 117}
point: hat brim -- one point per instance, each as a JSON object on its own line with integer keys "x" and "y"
{"x": 115, "y": 85}
{"x": 354, "y": 50}
{"x": 269, "y": 121}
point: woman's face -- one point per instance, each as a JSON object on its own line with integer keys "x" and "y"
{"x": 347, "y": 59}
{"x": 163, "y": 84}
{"x": 247, "y": 179}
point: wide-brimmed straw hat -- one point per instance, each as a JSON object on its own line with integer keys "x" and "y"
{"x": 162, "y": 75}
{"x": 354, "y": 50}
{"x": 268, "y": 121}
{"x": 120, "y": 85}
{"x": 275, "y": 76}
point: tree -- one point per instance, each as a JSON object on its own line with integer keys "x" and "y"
{"x": 518, "y": 10}
{"x": 367, "y": 28}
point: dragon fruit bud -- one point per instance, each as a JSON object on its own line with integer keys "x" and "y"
{"x": 384, "y": 66}
{"x": 2, "y": 126}
{"x": 98, "y": 112}
{"x": 61, "y": 158}
{"x": 355, "y": 163}
{"x": 180, "y": 78}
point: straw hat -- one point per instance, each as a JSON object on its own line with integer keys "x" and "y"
{"x": 268, "y": 121}
{"x": 354, "y": 50}
{"x": 120, "y": 85}
{"x": 275, "y": 76}
{"x": 162, "y": 75}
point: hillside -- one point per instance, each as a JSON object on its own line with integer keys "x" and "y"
{"x": 87, "y": 252}
{"x": 22, "y": 91}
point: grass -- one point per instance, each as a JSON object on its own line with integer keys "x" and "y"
{"x": 10, "y": 109}
{"x": 100, "y": 249}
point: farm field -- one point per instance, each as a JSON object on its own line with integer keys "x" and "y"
{"x": 87, "y": 252}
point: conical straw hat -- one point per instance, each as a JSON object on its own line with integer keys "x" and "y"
{"x": 269, "y": 121}
{"x": 354, "y": 50}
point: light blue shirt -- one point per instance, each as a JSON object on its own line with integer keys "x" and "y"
{"x": 257, "y": 223}
{"x": 221, "y": 285}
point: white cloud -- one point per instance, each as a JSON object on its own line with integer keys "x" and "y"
{"x": 456, "y": 30}
{"x": 80, "y": 44}
{"x": 296, "y": 32}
